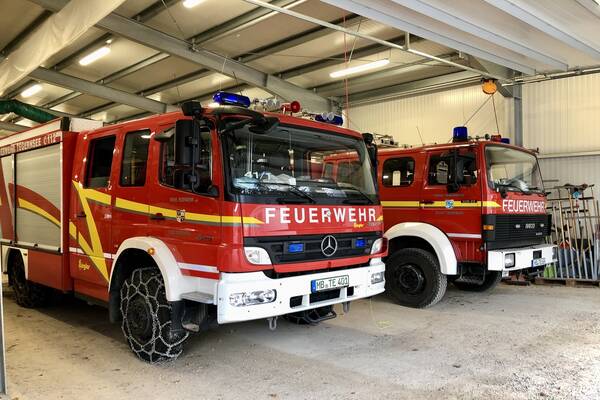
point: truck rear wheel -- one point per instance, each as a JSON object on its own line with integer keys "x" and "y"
{"x": 28, "y": 294}
{"x": 492, "y": 279}
{"x": 147, "y": 317}
{"x": 414, "y": 279}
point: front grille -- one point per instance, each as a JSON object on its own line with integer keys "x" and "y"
{"x": 517, "y": 227}
{"x": 278, "y": 246}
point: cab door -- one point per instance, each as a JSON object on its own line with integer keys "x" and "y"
{"x": 131, "y": 203}
{"x": 91, "y": 212}
{"x": 187, "y": 218}
{"x": 451, "y": 195}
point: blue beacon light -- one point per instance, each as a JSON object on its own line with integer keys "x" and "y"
{"x": 231, "y": 99}
{"x": 460, "y": 134}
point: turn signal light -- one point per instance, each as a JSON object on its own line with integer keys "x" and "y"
{"x": 488, "y": 227}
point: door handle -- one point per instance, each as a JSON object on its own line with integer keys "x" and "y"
{"x": 157, "y": 217}
{"x": 81, "y": 215}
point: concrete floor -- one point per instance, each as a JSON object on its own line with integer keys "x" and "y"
{"x": 513, "y": 343}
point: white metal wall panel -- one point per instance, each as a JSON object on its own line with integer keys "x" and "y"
{"x": 39, "y": 171}
{"x": 560, "y": 117}
{"x": 435, "y": 114}
{"x": 563, "y": 115}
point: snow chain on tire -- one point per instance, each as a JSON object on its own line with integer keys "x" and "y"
{"x": 145, "y": 290}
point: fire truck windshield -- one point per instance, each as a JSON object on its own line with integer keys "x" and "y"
{"x": 285, "y": 165}
{"x": 513, "y": 170}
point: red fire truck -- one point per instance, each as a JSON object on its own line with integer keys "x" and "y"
{"x": 465, "y": 212}
{"x": 181, "y": 220}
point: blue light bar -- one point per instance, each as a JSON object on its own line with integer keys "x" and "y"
{"x": 295, "y": 247}
{"x": 460, "y": 134}
{"x": 330, "y": 118}
{"x": 231, "y": 99}
{"x": 505, "y": 140}
{"x": 360, "y": 243}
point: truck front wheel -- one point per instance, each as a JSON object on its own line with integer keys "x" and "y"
{"x": 491, "y": 280}
{"x": 414, "y": 279}
{"x": 147, "y": 317}
{"x": 27, "y": 294}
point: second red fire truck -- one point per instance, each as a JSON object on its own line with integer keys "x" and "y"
{"x": 180, "y": 220}
{"x": 465, "y": 212}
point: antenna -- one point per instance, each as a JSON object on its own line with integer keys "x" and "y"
{"x": 420, "y": 137}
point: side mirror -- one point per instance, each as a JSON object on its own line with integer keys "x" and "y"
{"x": 185, "y": 142}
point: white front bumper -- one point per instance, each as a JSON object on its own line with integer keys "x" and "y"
{"x": 359, "y": 279}
{"x": 523, "y": 257}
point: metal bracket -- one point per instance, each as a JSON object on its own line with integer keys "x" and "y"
{"x": 346, "y": 307}
{"x": 272, "y": 323}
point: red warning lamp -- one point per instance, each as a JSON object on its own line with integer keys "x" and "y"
{"x": 293, "y": 107}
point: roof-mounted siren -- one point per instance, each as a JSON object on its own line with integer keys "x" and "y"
{"x": 231, "y": 99}
{"x": 498, "y": 138}
{"x": 460, "y": 134}
{"x": 330, "y": 118}
{"x": 293, "y": 107}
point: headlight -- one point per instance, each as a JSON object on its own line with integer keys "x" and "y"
{"x": 377, "y": 277}
{"x": 257, "y": 256}
{"x": 253, "y": 298}
{"x": 509, "y": 260}
{"x": 379, "y": 246}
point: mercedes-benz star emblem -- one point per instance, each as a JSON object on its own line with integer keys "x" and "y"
{"x": 329, "y": 246}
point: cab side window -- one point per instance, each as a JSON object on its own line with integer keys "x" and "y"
{"x": 442, "y": 169}
{"x": 398, "y": 171}
{"x": 99, "y": 160}
{"x": 135, "y": 158}
{"x": 174, "y": 175}
{"x": 348, "y": 172}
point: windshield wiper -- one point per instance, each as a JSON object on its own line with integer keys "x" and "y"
{"x": 357, "y": 201}
{"x": 292, "y": 189}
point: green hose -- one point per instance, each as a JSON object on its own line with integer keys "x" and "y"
{"x": 25, "y": 111}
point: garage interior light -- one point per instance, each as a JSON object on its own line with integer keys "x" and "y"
{"x": 31, "y": 90}
{"x": 191, "y": 3}
{"x": 360, "y": 68}
{"x": 95, "y": 55}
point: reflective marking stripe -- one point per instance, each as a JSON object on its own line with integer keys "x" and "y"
{"x": 77, "y": 250}
{"x": 400, "y": 203}
{"x": 465, "y": 235}
{"x": 440, "y": 204}
{"x": 196, "y": 267}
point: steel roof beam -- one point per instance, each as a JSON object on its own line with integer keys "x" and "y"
{"x": 7, "y": 126}
{"x": 105, "y": 92}
{"x": 147, "y": 36}
{"x": 442, "y": 82}
{"x": 536, "y": 19}
{"x": 478, "y": 31}
{"x": 383, "y": 74}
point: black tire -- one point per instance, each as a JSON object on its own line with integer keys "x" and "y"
{"x": 27, "y": 294}
{"x": 310, "y": 316}
{"x": 492, "y": 279}
{"x": 147, "y": 317}
{"x": 414, "y": 279}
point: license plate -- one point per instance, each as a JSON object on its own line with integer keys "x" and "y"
{"x": 335, "y": 282}
{"x": 538, "y": 262}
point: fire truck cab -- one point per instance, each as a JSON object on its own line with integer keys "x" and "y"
{"x": 467, "y": 212}
{"x": 182, "y": 220}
